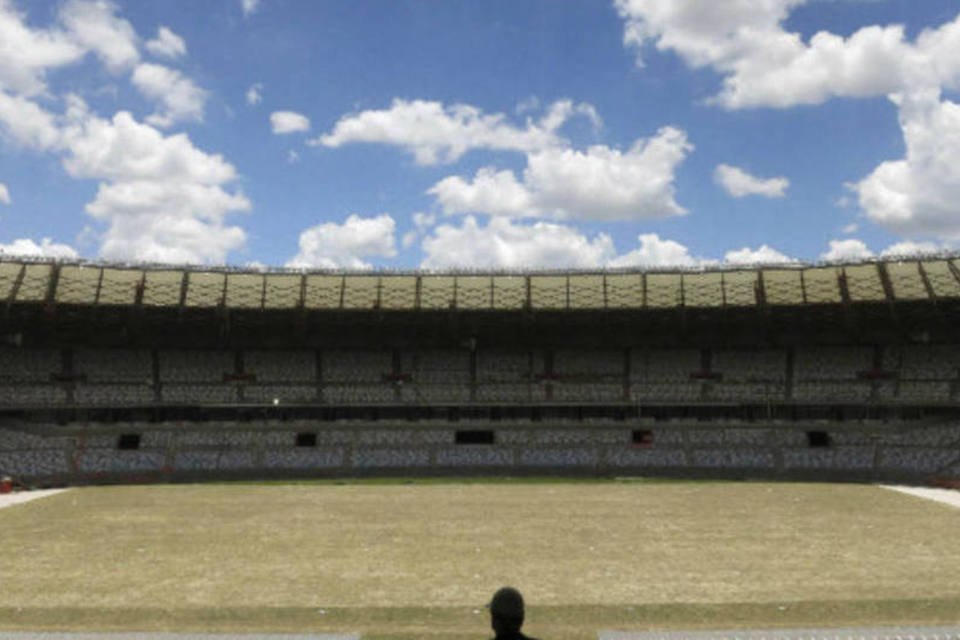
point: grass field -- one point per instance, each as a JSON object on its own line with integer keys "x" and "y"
{"x": 418, "y": 560}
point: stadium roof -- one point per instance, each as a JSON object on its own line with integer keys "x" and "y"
{"x": 913, "y": 279}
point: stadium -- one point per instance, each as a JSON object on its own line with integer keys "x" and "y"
{"x": 560, "y": 394}
{"x": 147, "y": 373}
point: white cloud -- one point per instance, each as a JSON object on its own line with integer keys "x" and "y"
{"x": 26, "y": 54}
{"x": 606, "y": 184}
{"x": 911, "y": 248}
{"x": 158, "y": 197}
{"x": 656, "y": 252}
{"x": 249, "y": 6}
{"x": 850, "y": 249}
{"x": 4, "y": 194}
{"x": 83, "y": 26}
{"x": 27, "y": 124}
{"x": 738, "y": 183}
{"x": 122, "y": 149}
{"x": 180, "y": 97}
{"x": 282, "y": 122}
{"x": 763, "y": 255}
{"x": 47, "y": 248}
{"x": 167, "y": 44}
{"x": 853, "y": 227}
{"x": 293, "y": 157}
{"x": 597, "y": 184}
{"x": 254, "y": 94}
{"x": 765, "y": 65}
{"x": 918, "y": 195}
{"x": 422, "y": 220}
{"x": 527, "y": 105}
{"x": 436, "y": 134}
{"x": 94, "y": 25}
{"x": 161, "y": 198}
{"x": 330, "y": 245}
{"x": 256, "y": 265}
{"x": 496, "y": 193}
{"x": 502, "y": 243}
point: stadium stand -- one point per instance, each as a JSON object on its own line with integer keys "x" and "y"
{"x": 118, "y": 372}
{"x": 665, "y": 375}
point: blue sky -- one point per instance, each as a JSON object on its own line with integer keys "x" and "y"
{"x": 464, "y": 134}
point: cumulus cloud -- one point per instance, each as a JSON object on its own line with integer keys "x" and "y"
{"x": 738, "y": 183}
{"x": 180, "y": 97}
{"x": 282, "y": 122}
{"x": 94, "y": 25}
{"x": 421, "y": 222}
{"x": 28, "y": 53}
{"x": 47, "y": 249}
{"x": 162, "y": 198}
{"x": 331, "y": 245}
{"x": 493, "y": 192}
{"x": 763, "y": 255}
{"x": 82, "y": 27}
{"x": 656, "y": 252}
{"x": 600, "y": 183}
{"x": 254, "y": 94}
{"x": 503, "y": 243}
{"x": 850, "y": 249}
{"x": 763, "y": 64}
{"x": 158, "y": 197}
{"x": 27, "y": 124}
{"x": 918, "y": 194}
{"x": 167, "y": 44}
{"x": 249, "y": 6}
{"x": 4, "y": 194}
{"x": 435, "y": 133}
{"x": 911, "y": 248}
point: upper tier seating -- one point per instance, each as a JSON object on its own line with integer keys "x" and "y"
{"x": 356, "y": 365}
{"x": 281, "y": 365}
{"x": 200, "y": 365}
{"x": 28, "y": 365}
{"x": 114, "y": 365}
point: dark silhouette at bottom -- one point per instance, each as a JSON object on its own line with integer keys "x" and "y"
{"x": 506, "y": 614}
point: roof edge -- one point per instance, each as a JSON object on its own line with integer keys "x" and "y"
{"x": 707, "y": 267}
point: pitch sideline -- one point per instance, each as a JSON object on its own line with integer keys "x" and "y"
{"x": 21, "y": 497}
{"x": 944, "y": 496}
{"x": 849, "y": 633}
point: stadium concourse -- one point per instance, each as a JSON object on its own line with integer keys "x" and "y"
{"x": 118, "y": 372}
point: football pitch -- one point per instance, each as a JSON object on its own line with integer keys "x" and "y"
{"x": 419, "y": 559}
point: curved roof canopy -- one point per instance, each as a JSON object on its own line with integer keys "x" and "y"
{"x": 917, "y": 279}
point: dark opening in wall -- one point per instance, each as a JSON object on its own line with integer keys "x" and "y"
{"x": 642, "y": 438}
{"x": 474, "y": 436}
{"x": 818, "y": 439}
{"x": 307, "y": 439}
{"x": 128, "y": 441}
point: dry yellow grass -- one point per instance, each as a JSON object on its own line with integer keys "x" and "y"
{"x": 619, "y": 552}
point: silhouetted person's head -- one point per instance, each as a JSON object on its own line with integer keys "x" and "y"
{"x": 506, "y": 611}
